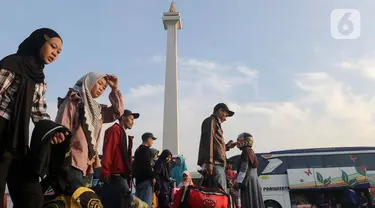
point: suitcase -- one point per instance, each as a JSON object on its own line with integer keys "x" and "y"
{"x": 198, "y": 196}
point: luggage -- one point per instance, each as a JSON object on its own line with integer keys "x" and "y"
{"x": 198, "y": 196}
{"x": 83, "y": 197}
{"x": 154, "y": 200}
{"x": 137, "y": 203}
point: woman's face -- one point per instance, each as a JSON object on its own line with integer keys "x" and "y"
{"x": 98, "y": 89}
{"x": 169, "y": 158}
{"x": 50, "y": 50}
{"x": 156, "y": 156}
{"x": 184, "y": 176}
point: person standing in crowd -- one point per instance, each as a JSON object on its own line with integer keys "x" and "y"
{"x": 155, "y": 155}
{"x": 231, "y": 178}
{"x": 212, "y": 148}
{"x": 145, "y": 177}
{"x": 117, "y": 162}
{"x": 247, "y": 174}
{"x": 178, "y": 169}
{"x": 163, "y": 181}
{"x": 84, "y": 117}
{"x": 22, "y": 95}
{"x": 186, "y": 179}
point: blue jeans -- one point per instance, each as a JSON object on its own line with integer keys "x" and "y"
{"x": 220, "y": 177}
{"x": 116, "y": 193}
{"x": 144, "y": 192}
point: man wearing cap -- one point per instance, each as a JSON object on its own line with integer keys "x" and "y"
{"x": 143, "y": 171}
{"x": 212, "y": 147}
{"x": 116, "y": 168}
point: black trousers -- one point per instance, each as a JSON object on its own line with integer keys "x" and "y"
{"x": 116, "y": 193}
{"x": 25, "y": 190}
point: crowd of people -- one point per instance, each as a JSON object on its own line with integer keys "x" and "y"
{"x": 63, "y": 152}
{"x": 155, "y": 175}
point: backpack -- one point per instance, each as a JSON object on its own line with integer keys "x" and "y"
{"x": 82, "y": 198}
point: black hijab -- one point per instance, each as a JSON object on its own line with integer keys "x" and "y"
{"x": 28, "y": 65}
{"x": 162, "y": 167}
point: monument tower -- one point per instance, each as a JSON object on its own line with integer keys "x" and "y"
{"x": 172, "y": 23}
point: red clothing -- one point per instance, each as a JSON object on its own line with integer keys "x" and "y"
{"x": 112, "y": 162}
{"x": 231, "y": 176}
{"x": 5, "y": 202}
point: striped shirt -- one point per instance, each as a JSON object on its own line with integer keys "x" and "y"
{"x": 9, "y": 83}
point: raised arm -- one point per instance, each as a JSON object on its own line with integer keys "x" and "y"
{"x": 113, "y": 112}
{"x": 39, "y": 107}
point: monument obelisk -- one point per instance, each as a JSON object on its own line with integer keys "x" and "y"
{"x": 172, "y": 23}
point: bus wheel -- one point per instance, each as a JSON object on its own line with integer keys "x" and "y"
{"x": 271, "y": 204}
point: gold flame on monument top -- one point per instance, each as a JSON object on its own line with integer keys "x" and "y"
{"x": 172, "y": 8}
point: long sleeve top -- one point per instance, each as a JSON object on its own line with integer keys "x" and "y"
{"x": 68, "y": 116}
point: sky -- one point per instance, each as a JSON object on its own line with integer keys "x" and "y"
{"x": 275, "y": 63}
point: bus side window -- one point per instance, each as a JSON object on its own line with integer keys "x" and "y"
{"x": 343, "y": 160}
{"x": 367, "y": 160}
{"x": 305, "y": 162}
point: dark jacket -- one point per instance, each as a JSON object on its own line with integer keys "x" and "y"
{"x": 44, "y": 156}
{"x": 45, "y": 159}
{"x": 143, "y": 170}
{"x": 212, "y": 147}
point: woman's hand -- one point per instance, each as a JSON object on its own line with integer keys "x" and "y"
{"x": 59, "y": 138}
{"x": 112, "y": 81}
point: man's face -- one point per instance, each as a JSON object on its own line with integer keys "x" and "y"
{"x": 150, "y": 141}
{"x": 128, "y": 121}
{"x": 223, "y": 115}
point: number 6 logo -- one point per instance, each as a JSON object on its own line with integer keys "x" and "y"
{"x": 345, "y": 24}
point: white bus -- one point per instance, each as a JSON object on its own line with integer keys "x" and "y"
{"x": 290, "y": 176}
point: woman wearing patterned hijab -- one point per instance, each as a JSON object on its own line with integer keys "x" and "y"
{"x": 84, "y": 116}
{"x": 247, "y": 175}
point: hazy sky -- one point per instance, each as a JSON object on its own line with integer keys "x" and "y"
{"x": 274, "y": 62}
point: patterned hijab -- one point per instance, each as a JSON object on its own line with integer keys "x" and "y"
{"x": 92, "y": 109}
{"x": 245, "y": 143}
{"x": 244, "y": 140}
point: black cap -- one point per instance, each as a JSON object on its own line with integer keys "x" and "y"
{"x": 224, "y": 107}
{"x": 128, "y": 113}
{"x": 147, "y": 135}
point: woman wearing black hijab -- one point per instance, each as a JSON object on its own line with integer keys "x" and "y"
{"x": 22, "y": 90}
{"x": 163, "y": 181}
